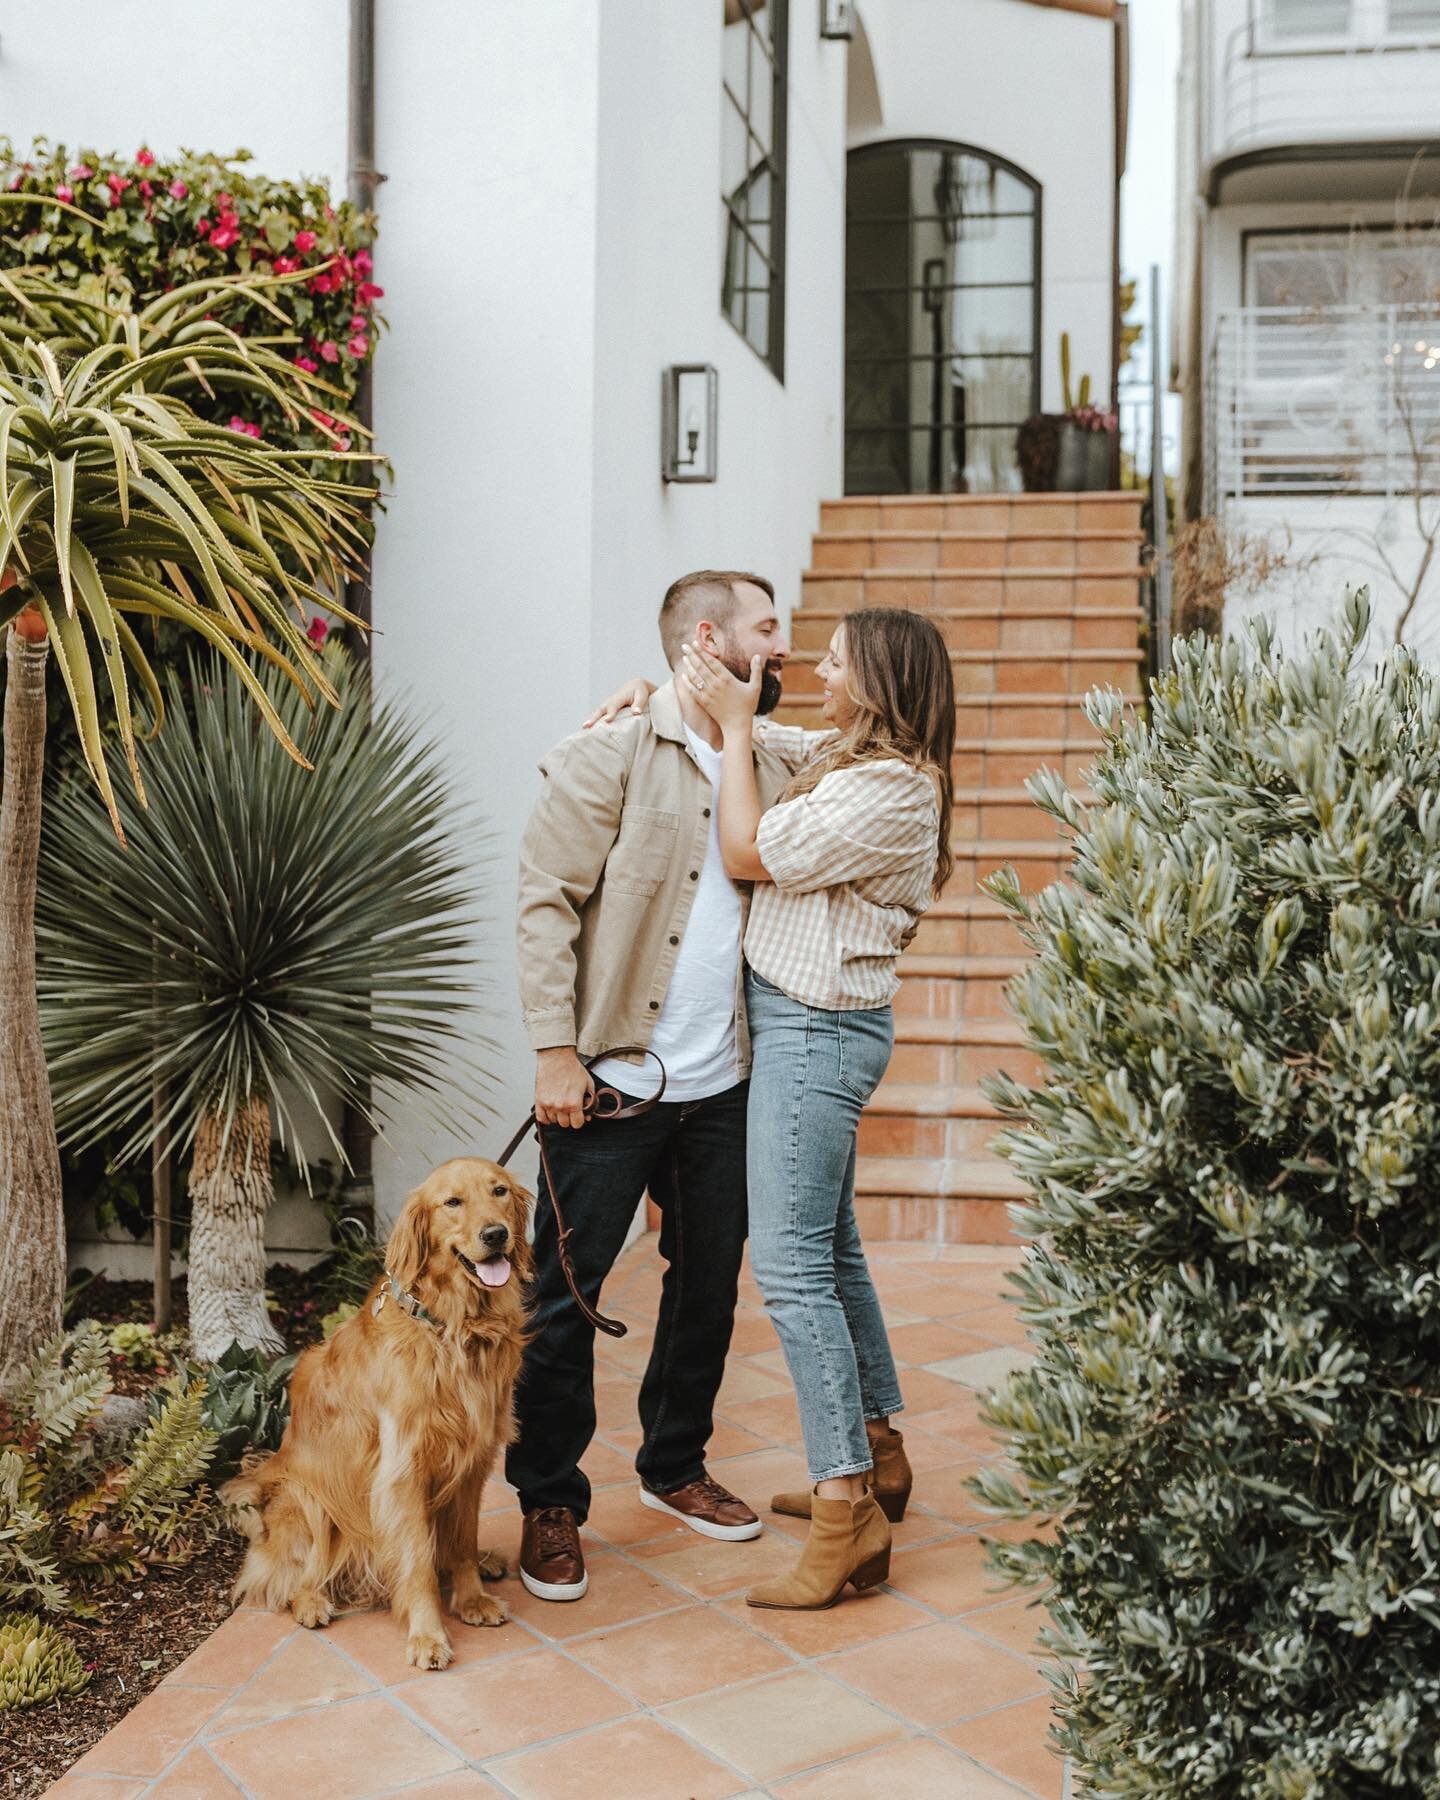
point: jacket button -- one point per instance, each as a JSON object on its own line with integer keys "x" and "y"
{"x": 654, "y": 1006}
{"x": 705, "y": 814}
{"x": 694, "y": 874}
{"x": 674, "y": 940}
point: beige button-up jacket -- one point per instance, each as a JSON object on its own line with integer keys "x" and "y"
{"x": 608, "y": 868}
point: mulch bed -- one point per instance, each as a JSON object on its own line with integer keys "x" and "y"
{"x": 147, "y": 1629}
{"x": 145, "y": 1632}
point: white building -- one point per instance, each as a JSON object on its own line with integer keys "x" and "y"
{"x": 1308, "y": 317}
{"x": 580, "y": 193}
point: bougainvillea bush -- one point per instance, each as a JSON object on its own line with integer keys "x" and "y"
{"x": 136, "y": 226}
{"x": 1233, "y": 1414}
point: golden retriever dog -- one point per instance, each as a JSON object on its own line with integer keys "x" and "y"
{"x": 395, "y": 1424}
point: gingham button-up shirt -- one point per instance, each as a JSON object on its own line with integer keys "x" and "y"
{"x": 851, "y": 866}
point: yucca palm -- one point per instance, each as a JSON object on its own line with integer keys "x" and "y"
{"x": 117, "y": 503}
{"x": 271, "y": 940}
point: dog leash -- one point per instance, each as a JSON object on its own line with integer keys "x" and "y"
{"x": 606, "y": 1103}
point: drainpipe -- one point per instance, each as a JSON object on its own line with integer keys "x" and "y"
{"x": 357, "y": 1196}
{"x": 1122, "y": 143}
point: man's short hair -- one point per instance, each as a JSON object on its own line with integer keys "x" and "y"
{"x": 705, "y": 594}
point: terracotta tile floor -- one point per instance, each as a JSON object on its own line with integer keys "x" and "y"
{"x": 662, "y": 1684}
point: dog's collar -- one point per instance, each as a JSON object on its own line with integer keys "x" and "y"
{"x": 405, "y": 1301}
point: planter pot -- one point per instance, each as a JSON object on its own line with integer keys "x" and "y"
{"x": 1082, "y": 465}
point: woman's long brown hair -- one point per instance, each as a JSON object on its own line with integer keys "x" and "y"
{"x": 899, "y": 676}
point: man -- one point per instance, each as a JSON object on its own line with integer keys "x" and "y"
{"x": 629, "y": 933}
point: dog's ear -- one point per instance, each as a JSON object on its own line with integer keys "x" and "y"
{"x": 408, "y": 1252}
{"x": 521, "y": 1201}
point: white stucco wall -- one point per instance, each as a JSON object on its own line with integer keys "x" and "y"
{"x": 550, "y": 240}
{"x": 1034, "y": 85}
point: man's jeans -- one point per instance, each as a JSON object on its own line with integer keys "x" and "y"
{"x": 691, "y": 1156}
{"x": 812, "y": 1073}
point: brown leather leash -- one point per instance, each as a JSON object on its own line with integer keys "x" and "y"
{"x": 606, "y": 1103}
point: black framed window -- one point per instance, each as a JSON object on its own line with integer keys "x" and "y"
{"x": 752, "y": 165}
{"x": 942, "y": 318}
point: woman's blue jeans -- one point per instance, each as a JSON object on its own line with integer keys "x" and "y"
{"x": 811, "y": 1075}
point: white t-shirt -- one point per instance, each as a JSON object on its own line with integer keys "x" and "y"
{"x": 694, "y": 1034}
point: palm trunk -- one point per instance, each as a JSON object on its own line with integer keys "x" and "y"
{"x": 32, "y": 1214}
{"x": 230, "y": 1194}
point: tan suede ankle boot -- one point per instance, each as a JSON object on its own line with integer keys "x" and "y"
{"x": 849, "y": 1541}
{"x": 890, "y": 1479}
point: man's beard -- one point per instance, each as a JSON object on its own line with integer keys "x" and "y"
{"x": 769, "y": 684}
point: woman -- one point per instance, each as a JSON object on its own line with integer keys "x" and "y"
{"x": 843, "y": 867}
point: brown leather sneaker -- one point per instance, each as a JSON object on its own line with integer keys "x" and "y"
{"x": 552, "y": 1563}
{"x": 708, "y": 1508}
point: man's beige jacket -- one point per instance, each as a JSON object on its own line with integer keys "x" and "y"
{"x": 608, "y": 868}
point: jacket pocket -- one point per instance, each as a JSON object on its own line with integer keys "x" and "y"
{"x": 641, "y": 855}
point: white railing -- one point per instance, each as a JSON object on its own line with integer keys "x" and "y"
{"x": 1340, "y": 401}
{"x": 1358, "y": 88}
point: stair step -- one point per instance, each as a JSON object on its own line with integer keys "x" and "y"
{"x": 988, "y": 512}
{"x": 1036, "y": 862}
{"x": 1092, "y": 548}
{"x": 929, "y": 1100}
{"x": 942, "y": 966}
{"x": 972, "y": 588}
{"x": 961, "y": 1051}
{"x": 971, "y": 1178}
{"x": 1005, "y": 812}
{"x": 1056, "y": 627}
{"x": 979, "y": 761}
{"x": 1005, "y": 672}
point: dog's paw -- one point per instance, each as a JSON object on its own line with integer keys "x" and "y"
{"x": 493, "y": 1564}
{"x": 482, "y": 1609}
{"x": 312, "y": 1610}
{"x": 428, "y": 1650}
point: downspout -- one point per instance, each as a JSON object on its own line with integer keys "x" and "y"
{"x": 357, "y": 1135}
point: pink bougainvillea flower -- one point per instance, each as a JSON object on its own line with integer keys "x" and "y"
{"x": 117, "y": 184}
{"x": 364, "y": 262}
{"x": 344, "y": 443}
{"x": 202, "y": 228}
{"x": 223, "y": 237}
{"x": 64, "y": 193}
{"x": 307, "y": 363}
{"x": 178, "y": 190}
{"x": 248, "y": 426}
{"x": 14, "y": 182}
{"x": 359, "y": 322}
{"x": 317, "y": 631}
{"x": 320, "y": 284}
{"x": 320, "y": 418}
{"x": 82, "y": 172}
{"x": 329, "y": 352}
{"x": 304, "y": 242}
{"x": 147, "y": 188}
{"x": 358, "y": 345}
{"x": 286, "y": 265}
{"x": 367, "y": 291}
{"x": 145, "y": 158}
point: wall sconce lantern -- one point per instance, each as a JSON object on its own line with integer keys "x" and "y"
{"x": 689, "y": 398}
{"x": 837, "y": 18}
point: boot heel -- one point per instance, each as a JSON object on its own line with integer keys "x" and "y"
{"x": 872, "y": 1571}
{"x": 893, "y": 1505}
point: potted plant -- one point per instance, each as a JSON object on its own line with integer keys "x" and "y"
{"x": 1070, "y": 452}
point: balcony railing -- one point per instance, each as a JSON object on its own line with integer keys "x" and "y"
{"x": 1369, "y": 83}
{"x": 1344, "y": 400}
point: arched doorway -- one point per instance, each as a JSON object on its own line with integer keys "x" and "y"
{"x": 942, "y": 318}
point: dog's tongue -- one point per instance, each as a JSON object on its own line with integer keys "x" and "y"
{"x": 496, "y": 1272}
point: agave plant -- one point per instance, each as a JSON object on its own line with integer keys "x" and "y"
{"x": 271, "y": 940}
{"x": 117, "y": 504}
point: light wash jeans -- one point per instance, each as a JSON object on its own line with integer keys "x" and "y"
{"x": 812, "y": 1073}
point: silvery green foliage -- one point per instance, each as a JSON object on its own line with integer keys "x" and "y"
{"x": 1234, "y": 1412}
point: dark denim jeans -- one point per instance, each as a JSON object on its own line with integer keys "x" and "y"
{"x": 691, "y": 1157}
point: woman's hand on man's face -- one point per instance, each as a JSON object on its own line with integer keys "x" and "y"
{"x": 730, "y": 703}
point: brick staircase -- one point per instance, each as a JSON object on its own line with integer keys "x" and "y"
{"x": 1039, "y": 599}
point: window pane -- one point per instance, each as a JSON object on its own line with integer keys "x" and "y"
{"x": 736, "y": 38}
{"x": 734, "y": 153}
{"x": 762, "y": 93}
{"x": 1415, "y": 17}
{"x": 1307, "y": 18}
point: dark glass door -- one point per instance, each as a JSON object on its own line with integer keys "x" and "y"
{"x": 942, "y": 255}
